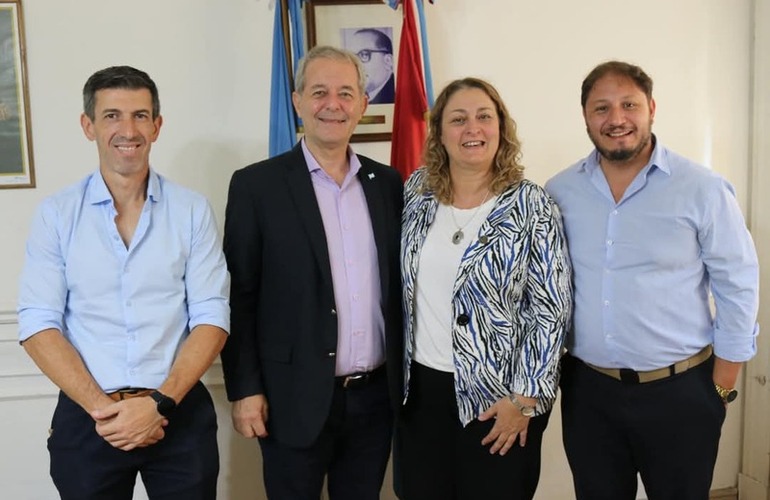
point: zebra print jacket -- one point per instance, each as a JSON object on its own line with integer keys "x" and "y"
{"x": 512, "y": 298}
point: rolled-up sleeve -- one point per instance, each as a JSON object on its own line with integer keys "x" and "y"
{"x": 731, "y": 262}
{"x": 42, "y": 288}
{"x": 207, "y": 281}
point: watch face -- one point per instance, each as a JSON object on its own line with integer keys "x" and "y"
{"x": 528, "y": 411}
{"x": 166, "y": 405}
{"x": 730, "y": 397}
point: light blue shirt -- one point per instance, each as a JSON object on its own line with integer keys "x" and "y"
{"x": 125, "y": 310}
{"x": 644, "y": 267}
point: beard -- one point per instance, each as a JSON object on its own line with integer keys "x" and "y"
{"x": 622, "y": 154}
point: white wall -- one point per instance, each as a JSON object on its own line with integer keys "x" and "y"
{"x": 211, "y": 61}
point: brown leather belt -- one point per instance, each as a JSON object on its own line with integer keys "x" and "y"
{"x": 633, "y": 377}
{"x": 122, "y": 394}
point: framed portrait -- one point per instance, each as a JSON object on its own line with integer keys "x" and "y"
{"x": 371, "y": 30}
{"x": 16, "y": 167}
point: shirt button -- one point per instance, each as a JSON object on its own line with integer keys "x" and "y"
{"x": 356, "y": 296}
{"x": 331, "y": 354}
{"x": 614, "y": 212}
{"x": 609, "y": 243}
{"x": 128, "y": 303}
{"x": 606, "y": 303}
{"x": 463, "y": 319}
{"x": 334, "y": 312}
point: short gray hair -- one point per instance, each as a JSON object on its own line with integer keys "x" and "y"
{"x": 333, "y": 53}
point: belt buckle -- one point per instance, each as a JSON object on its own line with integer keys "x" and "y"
{"x": 351, "y": 381}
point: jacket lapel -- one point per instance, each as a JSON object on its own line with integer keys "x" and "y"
{"x": 374, "y": 192}
{"x": 489, "y": 232}
{"x": 301, "y": 189}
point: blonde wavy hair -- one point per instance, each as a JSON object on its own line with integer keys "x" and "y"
{"x": 506, "y": 169}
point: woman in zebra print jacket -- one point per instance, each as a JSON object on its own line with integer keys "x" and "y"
{"x": 487, "y": 301}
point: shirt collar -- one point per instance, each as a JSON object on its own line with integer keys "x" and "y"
{"x": 313, "y": 165}
{"x": 97, "y": 191}
{"x": 658, "y": 159}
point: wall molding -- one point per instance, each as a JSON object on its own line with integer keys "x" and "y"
{"x": 37, "y": 386}
{"x": 8, "y": 317}
{"x": 20, "y": 379}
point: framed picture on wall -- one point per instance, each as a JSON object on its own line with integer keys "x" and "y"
{"x": 16, "y": 167}
{"x": 371, "y": 30}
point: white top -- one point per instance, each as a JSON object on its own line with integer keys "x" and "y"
{"x": 439, "y": 263}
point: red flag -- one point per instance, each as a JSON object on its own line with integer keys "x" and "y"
{"x": 411, "y": 105}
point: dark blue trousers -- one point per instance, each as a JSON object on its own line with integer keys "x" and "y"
{"x": 666, "y": 431}
{"x": 182, "y": 466}
{"x": 352, "y": 450}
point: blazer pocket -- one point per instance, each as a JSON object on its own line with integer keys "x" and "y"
{"x": 279, "y": 353}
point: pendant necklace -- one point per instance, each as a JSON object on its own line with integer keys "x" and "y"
{"x": 458, "y": 235}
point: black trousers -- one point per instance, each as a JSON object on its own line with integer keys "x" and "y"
{"x": 438, "y": 459}
{"x": 352, "y": 450}
{"x": 182, "y": 466}
{"x": 667, "y": 431}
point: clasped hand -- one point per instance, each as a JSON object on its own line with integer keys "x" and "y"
{"x": 131, "y": 423}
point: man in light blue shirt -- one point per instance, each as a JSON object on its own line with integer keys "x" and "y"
{"x": 123, "y": 304}
{"x": 652, "y": 236}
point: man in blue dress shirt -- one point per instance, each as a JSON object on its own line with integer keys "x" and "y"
{"x": 124, "y": 305}
{"x": 652, "y": 236}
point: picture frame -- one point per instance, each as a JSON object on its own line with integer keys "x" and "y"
{"x": 347, "y": 24}
{"x": 16, "y": 163}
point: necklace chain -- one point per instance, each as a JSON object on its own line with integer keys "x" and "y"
{"x": 458, "y": 235}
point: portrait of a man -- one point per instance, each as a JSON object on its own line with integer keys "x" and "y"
{"x": 375, "y": 49}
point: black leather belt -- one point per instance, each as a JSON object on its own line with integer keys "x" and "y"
{"x": 359, "y": 380}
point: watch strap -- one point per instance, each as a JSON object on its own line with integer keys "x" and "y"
{"x": 165, "y": 404}
{"x": 527, "y": 411}
{"x": 727, "y": 395}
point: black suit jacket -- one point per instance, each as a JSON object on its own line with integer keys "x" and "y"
{"x": 283, "y": 336}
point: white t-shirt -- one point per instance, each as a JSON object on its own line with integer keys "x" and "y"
{"x": 439, "y": 262}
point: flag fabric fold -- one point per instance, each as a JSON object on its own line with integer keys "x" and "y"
{"x": 411, "y": 105}
{"x": 282, "y": 126}
{"x": 425, "y": 52}
{"x": 283, "y": 123}
{"x": 297, "y": 32}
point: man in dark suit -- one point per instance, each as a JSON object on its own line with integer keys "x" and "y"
{"x": 312, "y": 240}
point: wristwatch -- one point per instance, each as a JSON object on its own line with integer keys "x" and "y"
{"x": 527, "y": 411}
{"x": 727, "y": 395}
{"x": 166, "y": 405}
